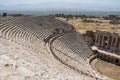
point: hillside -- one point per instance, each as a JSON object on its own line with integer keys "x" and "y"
{"x": 82, "y": 27}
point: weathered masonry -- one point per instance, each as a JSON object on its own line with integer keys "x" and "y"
{"x": 107, "y": 40}
{"x": 108, "y": 57}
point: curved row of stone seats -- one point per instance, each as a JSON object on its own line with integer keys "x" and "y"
{"x": 24, "y": 24}
{"x": 23, "y": 30}
{"x": 11, "y": 31}
{"x": 66, "y": 51}
{"x": 65, "y": 55}
{"x": 50, "y": 23}
{"x": 58, "y": 45}
{"x": 85, "y": 70}
{"x": 35, "y": 30}
{"x": 20, "y": 36}
{"x": 43, "y": 20}
{"x": 27, "y": 24}
{"x": 21, "y": 25}
{"x": 75, "y": 42}
{"x": 38, "y": 29}
{"x": 2, "y": 19}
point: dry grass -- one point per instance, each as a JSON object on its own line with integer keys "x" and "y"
{"x": 82, "y": 27}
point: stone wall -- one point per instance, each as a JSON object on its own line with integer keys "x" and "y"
{"x": 107, "y": 40}
{"x": 108, "y": 57}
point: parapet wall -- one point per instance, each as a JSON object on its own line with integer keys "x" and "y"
{"x": 112, "y": 58}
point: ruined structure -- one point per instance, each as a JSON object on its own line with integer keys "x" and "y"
{"x": 89, "y": 37}
{"x": 108, "y": 40}
{"x": 106, "y": 44}
{"x": 50, "y": 48}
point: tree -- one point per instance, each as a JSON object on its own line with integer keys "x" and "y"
{"x": 4, "y": 14}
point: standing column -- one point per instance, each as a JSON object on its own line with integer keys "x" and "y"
{"x": 102, "y": 41}
{"x": 111, "y": 41}
{"x": 96, "y": 38}
{"x": 116, "y": 43}
{"x": 99, "y": 40}
{"x": 108, "y": 41}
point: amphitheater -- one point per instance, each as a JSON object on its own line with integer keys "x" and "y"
{"x": 43, "y": 48}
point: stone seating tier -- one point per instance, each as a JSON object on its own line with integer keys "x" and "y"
{"x": 31, "y": 32}
{"x": 74, "y": 42}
